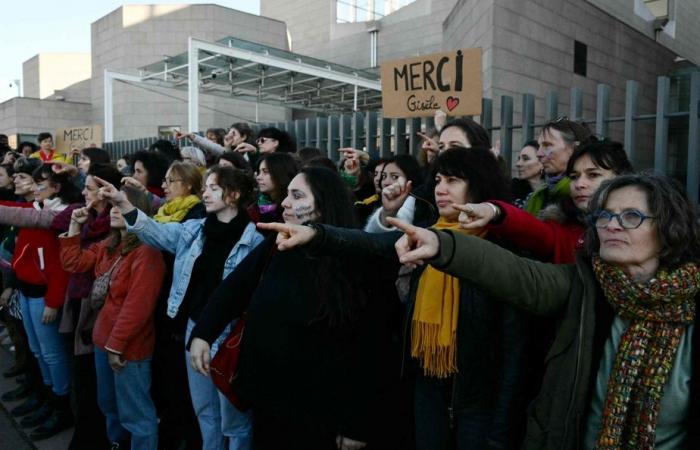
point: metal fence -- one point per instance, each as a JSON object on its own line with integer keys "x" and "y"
{"x": 381, "y": 137}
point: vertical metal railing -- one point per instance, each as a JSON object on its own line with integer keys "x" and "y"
{"x": 382, "y": 137}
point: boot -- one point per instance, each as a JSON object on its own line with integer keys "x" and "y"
{"x": 60, "y": 419}
{"x": 13, "y": 371}
{"x": 24, "y": 390}
{"x": 37, "y": 417}
{"x": 32, "y": 403}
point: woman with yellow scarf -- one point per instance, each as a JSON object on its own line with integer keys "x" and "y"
{"x": 182, "y": 186}
{"x": 467, "y": 348}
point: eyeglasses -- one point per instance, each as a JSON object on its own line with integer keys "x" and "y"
{"x": 168, "y": 180}
{"x": 629, "y": 220}
{"x": 262, "y": 140}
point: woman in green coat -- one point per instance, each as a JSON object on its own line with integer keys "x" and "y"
{"x": 619, "y": 374}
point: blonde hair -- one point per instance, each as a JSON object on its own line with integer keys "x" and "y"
{"x": 189, "y": 174}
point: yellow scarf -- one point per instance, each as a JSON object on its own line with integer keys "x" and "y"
{"x": 435, "y": 314}
{"x": 176, "y": 210}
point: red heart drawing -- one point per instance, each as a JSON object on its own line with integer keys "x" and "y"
{"x": 452, "y": 103}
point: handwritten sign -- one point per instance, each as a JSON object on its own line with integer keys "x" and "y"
{"x": 417, "y": 87}
{"x": 78, "y": 137}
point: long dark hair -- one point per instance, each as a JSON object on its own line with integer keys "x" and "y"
{"x": 282, "y": 167}
{"x": 339, "y": 289}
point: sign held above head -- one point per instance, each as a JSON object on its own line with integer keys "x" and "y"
{"x": 78, "y": 137}
{"x": 417, "y": 87}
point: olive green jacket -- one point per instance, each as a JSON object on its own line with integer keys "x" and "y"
{"x": 556, "y": 418}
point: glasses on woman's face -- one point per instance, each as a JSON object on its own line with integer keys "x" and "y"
{"x": 168, "y": 180}
{"x": 262, "y": 140}
{"x": 629, "y": 220}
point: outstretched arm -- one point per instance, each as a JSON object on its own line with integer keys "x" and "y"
{"x": 537, "y": 287}
{"x": 321, "y": 239}
{"x": 23, "y": 215}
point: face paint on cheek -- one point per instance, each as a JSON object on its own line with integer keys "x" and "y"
{"x": 304, "y": 212}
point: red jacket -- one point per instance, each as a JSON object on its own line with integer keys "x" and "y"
{"x": 37, "y": 261}
{"x": 549, "y": 240}
{"x": 125, "y": 322}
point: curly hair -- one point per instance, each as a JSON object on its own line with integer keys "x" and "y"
{"x": 675, "y": 216}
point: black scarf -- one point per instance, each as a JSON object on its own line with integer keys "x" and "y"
{"x": 208, "y": 270}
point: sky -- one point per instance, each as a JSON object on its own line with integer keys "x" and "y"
{"x": 37, "y": 26}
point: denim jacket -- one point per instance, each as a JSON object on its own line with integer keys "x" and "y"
{"x": 186, "y": 241}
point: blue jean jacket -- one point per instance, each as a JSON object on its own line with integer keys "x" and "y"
{"x": 186, "y": 240}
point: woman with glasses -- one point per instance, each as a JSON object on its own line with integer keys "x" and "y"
{"x": 620, "y": 372}
{"x": 182, "y": 186}
{"x": 556, "y": 238}
{"x": 557, "y": 142}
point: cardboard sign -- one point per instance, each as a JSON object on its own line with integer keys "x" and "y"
{"x": 417, "y": 87}
{"x": 78, "y": 137}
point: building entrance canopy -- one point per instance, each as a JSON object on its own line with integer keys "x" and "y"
{"x": 244, "y": 70}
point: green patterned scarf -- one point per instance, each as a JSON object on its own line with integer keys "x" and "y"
{"x": 547, "y": 195}
{"x": 660, "y": 311}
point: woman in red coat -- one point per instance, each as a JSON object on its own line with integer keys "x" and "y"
{"x": 123, "y": 334}
{"x": 558, "y": 233}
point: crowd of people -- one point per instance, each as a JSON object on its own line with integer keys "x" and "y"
{"x": 400, "y": 303}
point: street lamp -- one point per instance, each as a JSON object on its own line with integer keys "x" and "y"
{"x": 17, "y": 83}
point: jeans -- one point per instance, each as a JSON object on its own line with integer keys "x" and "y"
{"x": 47, "y": 344}
{"x": 218, "y": 418}
{"x": 470, "y": 425}
{"x": 125, "y": 399}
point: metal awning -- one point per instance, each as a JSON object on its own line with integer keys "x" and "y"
{"x": 243, "y": 70}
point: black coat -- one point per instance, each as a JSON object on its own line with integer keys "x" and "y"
{"x": 491, "y": 336}
{"x": 292, "y": 365}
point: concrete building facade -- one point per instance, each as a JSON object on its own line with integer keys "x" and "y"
{"x": 46, "y": 73}
{"x": 528, "y": 45}
{"x": 130, "y": 37}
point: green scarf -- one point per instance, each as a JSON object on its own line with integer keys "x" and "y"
{"x": 546, "y": 195}
{"x": 176, "y": 210}
{"x": 660, "y": 311}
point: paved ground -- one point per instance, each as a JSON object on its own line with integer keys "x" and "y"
{"x": 12, "y": 436}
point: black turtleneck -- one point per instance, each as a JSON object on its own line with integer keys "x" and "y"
{"x": 208, "y": 270}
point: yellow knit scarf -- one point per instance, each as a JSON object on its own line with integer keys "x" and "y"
{"x": 176, "y": 210}
{"x": 435, "y": 315}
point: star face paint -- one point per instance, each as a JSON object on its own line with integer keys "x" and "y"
{"x": 300, "y": 204}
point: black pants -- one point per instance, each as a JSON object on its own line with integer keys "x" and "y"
{"x": 178, "y": 427}
{"x": 18, "y": 337}
{"x": 90, "y": 426}
{"x": 271, "y": 432}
